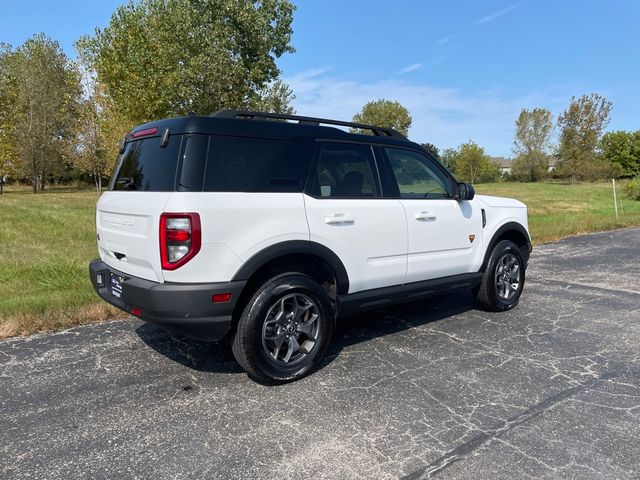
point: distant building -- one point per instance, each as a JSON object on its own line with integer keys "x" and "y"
{"x": 505, "y": 164}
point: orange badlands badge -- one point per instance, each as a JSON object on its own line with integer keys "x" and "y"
{"x": 472, "y": 238}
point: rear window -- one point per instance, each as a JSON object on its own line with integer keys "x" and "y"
{"x": 239, "y": 164}
{"x": 146, "y": 167}
{"x": 345, "y": 170}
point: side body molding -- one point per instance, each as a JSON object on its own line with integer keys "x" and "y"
{"x": 296, "y": 247}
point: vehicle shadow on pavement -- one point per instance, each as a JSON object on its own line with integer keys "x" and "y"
{"x": 380, "y": 323}
{"x": 217, "y": 357}
{"x": 201, "y": 356}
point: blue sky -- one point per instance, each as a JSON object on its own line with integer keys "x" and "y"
{"x": 463, "y": 68}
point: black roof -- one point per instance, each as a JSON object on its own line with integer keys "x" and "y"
{"x": 257, "y": 124}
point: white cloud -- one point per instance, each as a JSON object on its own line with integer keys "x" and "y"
{"x": 497, "y": 14}
{"x": 438, "y": 59}
{"x": 445, "y": 117}
{"x": 410, "y": 68}
{"x": 445, "y": 40}
{"x": 314, "y": 72}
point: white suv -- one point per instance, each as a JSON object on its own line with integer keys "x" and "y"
{"x": 265, "y": 228}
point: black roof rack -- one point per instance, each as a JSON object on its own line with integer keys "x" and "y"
{"x": 378, "y": 131}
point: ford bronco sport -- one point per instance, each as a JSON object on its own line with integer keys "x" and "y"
{"x": 265, "y": 228}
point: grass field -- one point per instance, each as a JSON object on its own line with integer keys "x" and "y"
{"x": 47, "y": 240}
{"x": 558, "y": 210}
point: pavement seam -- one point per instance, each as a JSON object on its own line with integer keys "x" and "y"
{"x": 468, "y": 448}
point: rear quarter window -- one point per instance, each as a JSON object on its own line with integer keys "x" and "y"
{"x": 146, "y": 167}
{"x": 244, "y": 164}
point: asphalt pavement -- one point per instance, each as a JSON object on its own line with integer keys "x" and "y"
{"x": 435, "y": 389}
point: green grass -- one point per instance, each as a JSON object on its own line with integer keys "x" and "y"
{"x": 48, "y": 239}
{"x": 46, "y": 243}
{"x": 558, "y": 210}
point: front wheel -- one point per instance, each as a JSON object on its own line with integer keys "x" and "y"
{"x": 503, "y": 278}
{"x": 284, "y": 329}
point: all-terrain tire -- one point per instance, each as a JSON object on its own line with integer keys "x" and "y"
{"x": 504, "y": 273}
{"x": 282, "y": 316}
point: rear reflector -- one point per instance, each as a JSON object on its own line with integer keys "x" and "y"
{"x": 145, "y": 132}
{"x": 221, "y": 297}
{"x": 178, "y": 235}
{"x": 136, "y": 311}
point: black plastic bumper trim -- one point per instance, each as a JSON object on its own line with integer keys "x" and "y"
{"x": 185, "y": 308}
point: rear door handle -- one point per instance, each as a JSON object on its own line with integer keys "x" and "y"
{"x": 339, "y": 219}
{"x": 425, "y": 216}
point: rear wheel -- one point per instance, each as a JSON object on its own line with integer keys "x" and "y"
{"x": 503, "y": 278}
{"x": 284, "y": 329}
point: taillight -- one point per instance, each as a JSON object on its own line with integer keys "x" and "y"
{"x": 180, "y": 238}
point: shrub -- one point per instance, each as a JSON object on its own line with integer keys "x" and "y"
{"x": 474, "y": 165}
{"x": 632, "y": 189}
{"x": 530, "y": 167}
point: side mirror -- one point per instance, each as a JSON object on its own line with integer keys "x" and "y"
{"x": 466, "y": 191}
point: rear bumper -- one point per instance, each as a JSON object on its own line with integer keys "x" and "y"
{"x": 185, "y": 308}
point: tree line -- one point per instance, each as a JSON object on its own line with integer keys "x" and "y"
{"x": 62, "y": 119}
{"x": 583, "y": 150}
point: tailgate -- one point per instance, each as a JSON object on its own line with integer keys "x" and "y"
{"x": 128, "y": 232}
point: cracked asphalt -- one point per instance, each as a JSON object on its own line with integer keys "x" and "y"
{"x": 436, "y": 389}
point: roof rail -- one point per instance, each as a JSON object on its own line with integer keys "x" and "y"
{"x": 252, "y": 115}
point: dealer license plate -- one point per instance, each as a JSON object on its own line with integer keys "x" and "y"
{"x": 115, "y": 285}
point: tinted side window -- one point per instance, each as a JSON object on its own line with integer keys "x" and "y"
{"x": 145, "y": 166}
{"x": 239, "y": 164}
{"x": 416, "y": 175}
{"x": 345, "y": 170}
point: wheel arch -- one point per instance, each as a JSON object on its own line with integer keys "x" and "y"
{"x": 296, "y": 248}
{"x": 293, "y": 256}
{"x": 513, "y": 231}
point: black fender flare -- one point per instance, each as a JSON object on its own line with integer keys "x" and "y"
{"x": 289, "y": 247}
{"x": 509, "y": 226}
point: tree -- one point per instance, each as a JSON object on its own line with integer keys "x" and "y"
{"x": 623, "y": 149}
{"x": 100, "y": 127}
{"x": 531, "y": 144}
{"x": 432, "y": 149}
{"x": 90, "y": 157}
{"x": 474, "y": 165}
{"x": 7, "y": 150}
{"x": 384, "y": 113}
{"x": 274, "y": 98}
{"x": 449, "y": 158}
{"x": 113, "y": 125}
{"x": 530, "y": 167}
{"x": 160, "y": 58}
{"x": 581, "y": 126}
{"x": 8, "y": 157}
{"x": 40, "y": 94}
